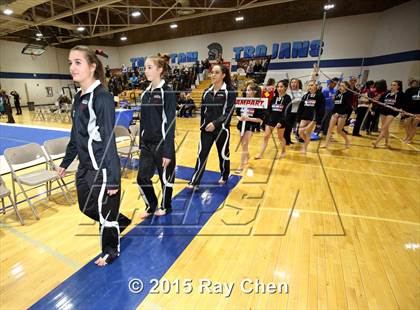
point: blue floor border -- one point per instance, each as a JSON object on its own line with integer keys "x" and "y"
{"x": 147, "y": 251}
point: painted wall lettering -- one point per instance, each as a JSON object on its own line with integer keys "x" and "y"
{"x": 174, "y": 58}
{"x": 284, "y": 50}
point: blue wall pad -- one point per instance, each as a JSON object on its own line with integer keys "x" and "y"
{"x": 147, "y": 251}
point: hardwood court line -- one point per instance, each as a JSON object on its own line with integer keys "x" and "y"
{"x": 375, "y": 174}
{"x": 360, "y": 172}
{"x": 365, "y": 217}
{"x": 410, "y": 145}
{"x": 361, "y": 158}
{"x": 372, "y": 160}
{"x": 332, "y": 196}
{"x": 38, "y": 244}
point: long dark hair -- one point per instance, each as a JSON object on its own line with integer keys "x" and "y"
{"x": 92, "y": 58}
{"x": 285, "y": 83}
{"x": 381, "y": 86}
{"x": 400, "y": 85}
{"x": 227, "y": 79}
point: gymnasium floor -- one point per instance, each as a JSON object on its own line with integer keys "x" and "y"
{"x": 334, "y": 229}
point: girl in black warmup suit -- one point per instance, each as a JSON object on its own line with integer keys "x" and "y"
{"x": 216, "y": 112}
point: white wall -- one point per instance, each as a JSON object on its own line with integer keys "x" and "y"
{"x": 397, "y": 30}
{"x": 54, "y": 60}
{"x": 392, "y": 31}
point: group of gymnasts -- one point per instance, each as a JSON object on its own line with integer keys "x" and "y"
{"x": 92, "y": 140}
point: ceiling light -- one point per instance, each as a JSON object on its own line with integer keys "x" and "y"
{"x": 136, "y": 14}
{"x": 123, "y": 38}
{"x": 81, "y": 28}
{"x": 8, "y": 11}
{"x": 39, "y": 34}
{"x": 328, "y": 6}
{"x": 174, "y": 26}
{"x": 239, "y": 18}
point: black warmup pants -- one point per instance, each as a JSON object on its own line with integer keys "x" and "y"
{"x": 290, "y": 122}
{"x": 361, "y": 112}
{"x": 326, "y": 121}
{"x": 372, "y": 121}
{"x": 206, "y": 142}
{"x": 18, "y": 108}
{"x": 96, "y": 204}
{"x": 151, "y": 159}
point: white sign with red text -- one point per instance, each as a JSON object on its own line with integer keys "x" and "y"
{"x": 250, "y": 103}
{"x": 255, "y": 103}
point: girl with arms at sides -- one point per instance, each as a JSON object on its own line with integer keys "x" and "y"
{"x": 253, "y": 119}
{"x": 216, "y": 112}
{"x": 157, "y": 135}
{"x": 98, "y": 178}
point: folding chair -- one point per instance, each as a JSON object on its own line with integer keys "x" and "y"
{"x": 5, "y": 192}
{"x": 56, "y": 149}
{"x": 38, "y": 115}
{"x": 66, "y": 112}
{"x": 122, "y": 135}
{"x": 135, "y": 137}
{"x": 28, "y": 156}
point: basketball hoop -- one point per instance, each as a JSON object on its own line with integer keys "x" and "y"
{"x": 34, "y": 50}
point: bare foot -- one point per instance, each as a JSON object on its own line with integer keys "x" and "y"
{"x": 283, "y": 155}
{"x": 257, "y": 157}
{"x": 374, "y": 145}
{"x": 323, "y": 146}
{"x": 145, "y": 215}
{"x": 347, "y": 145}
{"x": 239, "y": 170}
{"x": 194, "y": 187}
{"x": 160, "y": 212}
{"x": 221, "y": 181}
{"x": 101, "y": 262}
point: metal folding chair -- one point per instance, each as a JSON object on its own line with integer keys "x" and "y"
{"x": 5, "y": 192}
{"x": 122, "y": 136}
{"x": 56, "y": 149}
{"x": 29, "y": 156}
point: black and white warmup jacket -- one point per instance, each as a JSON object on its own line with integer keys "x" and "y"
{"x": 92, "y": 137}
{"x": 157, "y": 121}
